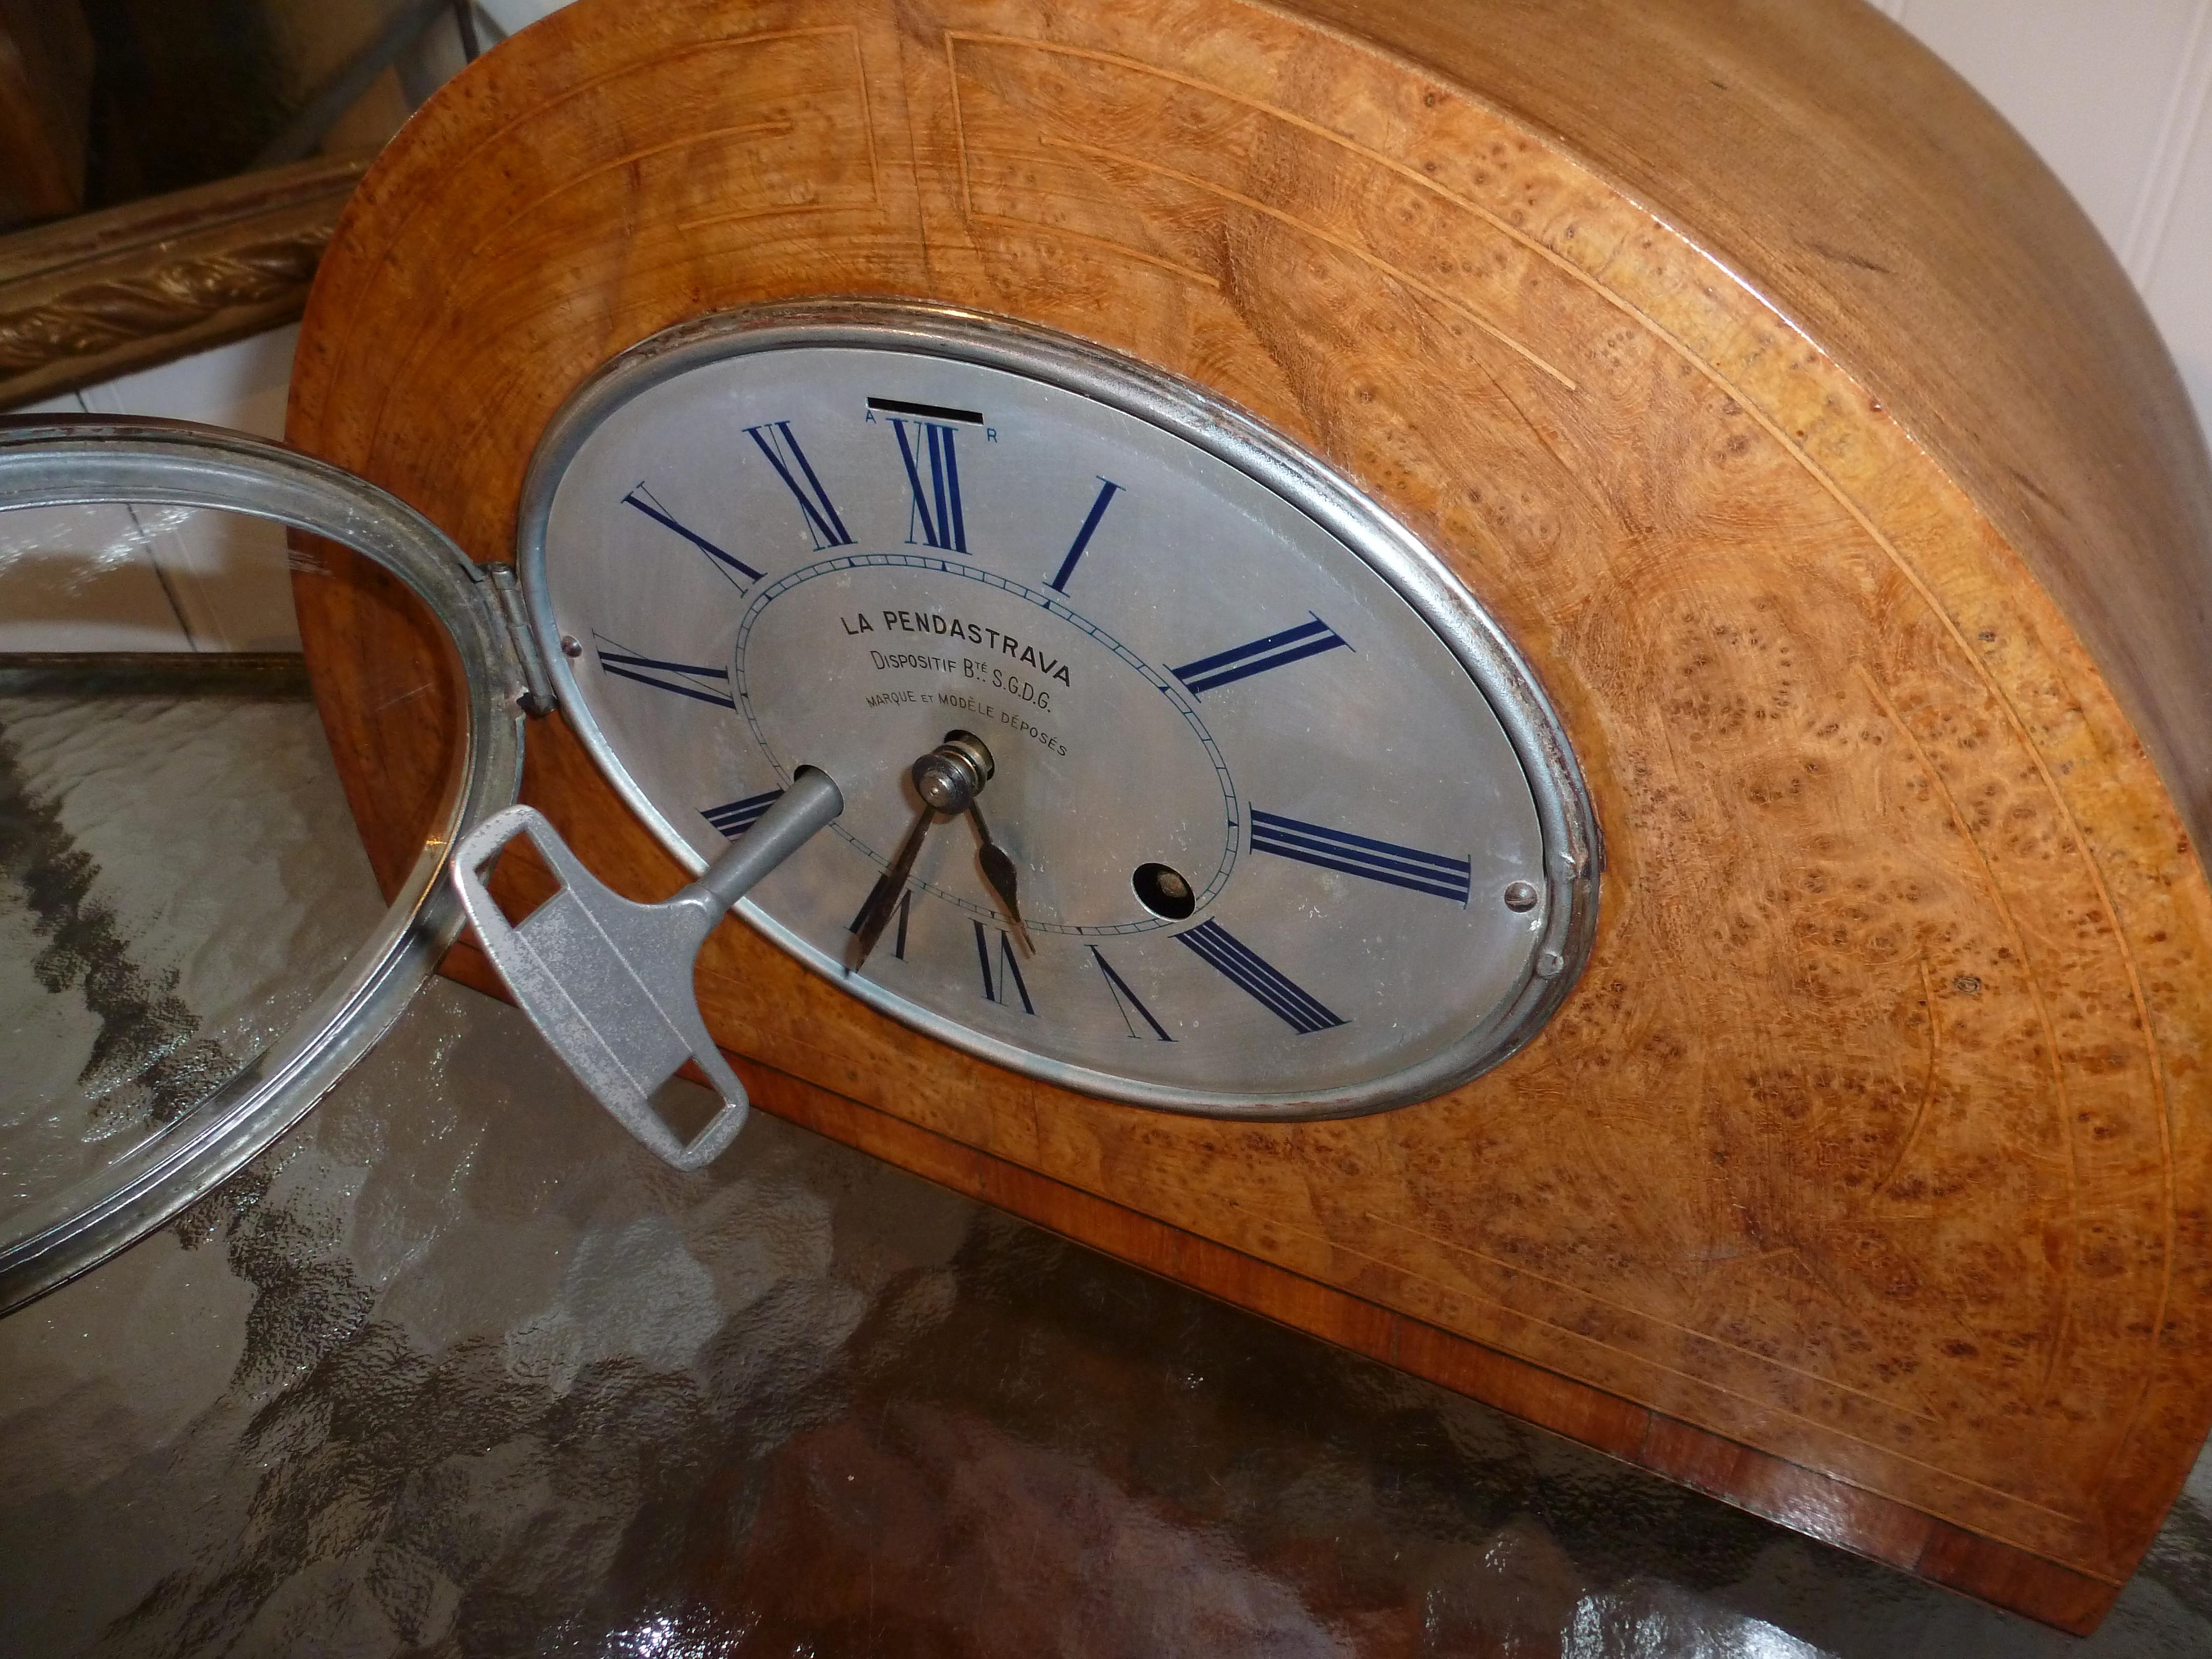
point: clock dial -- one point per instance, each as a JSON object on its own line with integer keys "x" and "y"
{"x": 1276, "y": 844}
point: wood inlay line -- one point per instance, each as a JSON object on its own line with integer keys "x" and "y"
{"x": 2019, "y": 942}
{"x": 1342, "y": 244}
{"x": 782, "y": 211}
{"x": 1744, "y": 1172}
{"x": 503, "y": 137}
{"x": 868, "y": 120}
{"x": 959, "y": 125}
{"x": 501, "y": 134}
{"x": 1033, "y": 227}
{"x": 1690, "y": 1377}
{"x": 746, "y": 130}
{"x": 1291, "y": 118}
{"x": 486, "y": 416}
{"x": 2161, "y": 1104}
{"x": 1928, "y": 1083}
{"x": 1766, "y": 423}
{"x": 1638, "y": 1314}
{"x": 952, "y": 36}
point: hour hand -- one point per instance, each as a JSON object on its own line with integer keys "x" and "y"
{"x": 999, "y": 872}
{"x": 883, "y": 899}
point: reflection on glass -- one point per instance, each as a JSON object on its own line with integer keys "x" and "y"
{"x": 179, "y": 876}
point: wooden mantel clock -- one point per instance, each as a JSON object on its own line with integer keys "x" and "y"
{"x": 1582, "y": 626}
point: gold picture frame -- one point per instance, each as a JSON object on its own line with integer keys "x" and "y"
{"x": 108, "y": 293}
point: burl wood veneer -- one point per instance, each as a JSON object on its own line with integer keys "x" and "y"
{"x": 1811, "y": 446}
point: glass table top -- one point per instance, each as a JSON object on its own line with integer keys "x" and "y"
{"x": 457, "y": 1368}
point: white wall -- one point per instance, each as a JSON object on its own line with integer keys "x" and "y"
{"x": 146, "y": 579}
{"x": 2113, "y": 92}
{"x": 2113, "y": 95}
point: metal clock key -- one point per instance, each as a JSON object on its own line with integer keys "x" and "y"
{"x": 607, "y": 982}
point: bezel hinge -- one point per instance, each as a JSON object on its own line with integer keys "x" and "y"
{"x": 535, "y": 694}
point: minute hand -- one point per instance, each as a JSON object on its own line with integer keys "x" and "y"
{"x": 999, "y": 872}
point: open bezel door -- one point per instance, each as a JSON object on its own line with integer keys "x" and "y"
{"x": 55, "y": 462}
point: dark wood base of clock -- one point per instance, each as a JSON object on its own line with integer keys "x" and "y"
{"x": 1815, "y": 1504}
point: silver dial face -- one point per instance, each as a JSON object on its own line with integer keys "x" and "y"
{"x": 1278, "y": 848}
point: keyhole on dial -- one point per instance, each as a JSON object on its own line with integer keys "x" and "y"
{"x": 1164, "y": 891}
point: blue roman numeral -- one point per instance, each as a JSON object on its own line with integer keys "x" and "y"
{"x": 1010, "y": 971}
{"x": 641, "y": 499}
{"x": 692, "y": 681}
{"x": 1359, "y": 855}
{"x": 823, "y": 528}
{"x": 734, "y": 817}
{"x": 936, "y": 510}
{"x": 1306, "y": 640}
{"x": 1107, "y": 490}
{"x": 1125, "y": 999}
{"x": 1274, "y": 990}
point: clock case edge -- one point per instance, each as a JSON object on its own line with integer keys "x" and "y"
{"x": 2140, "y": 474}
